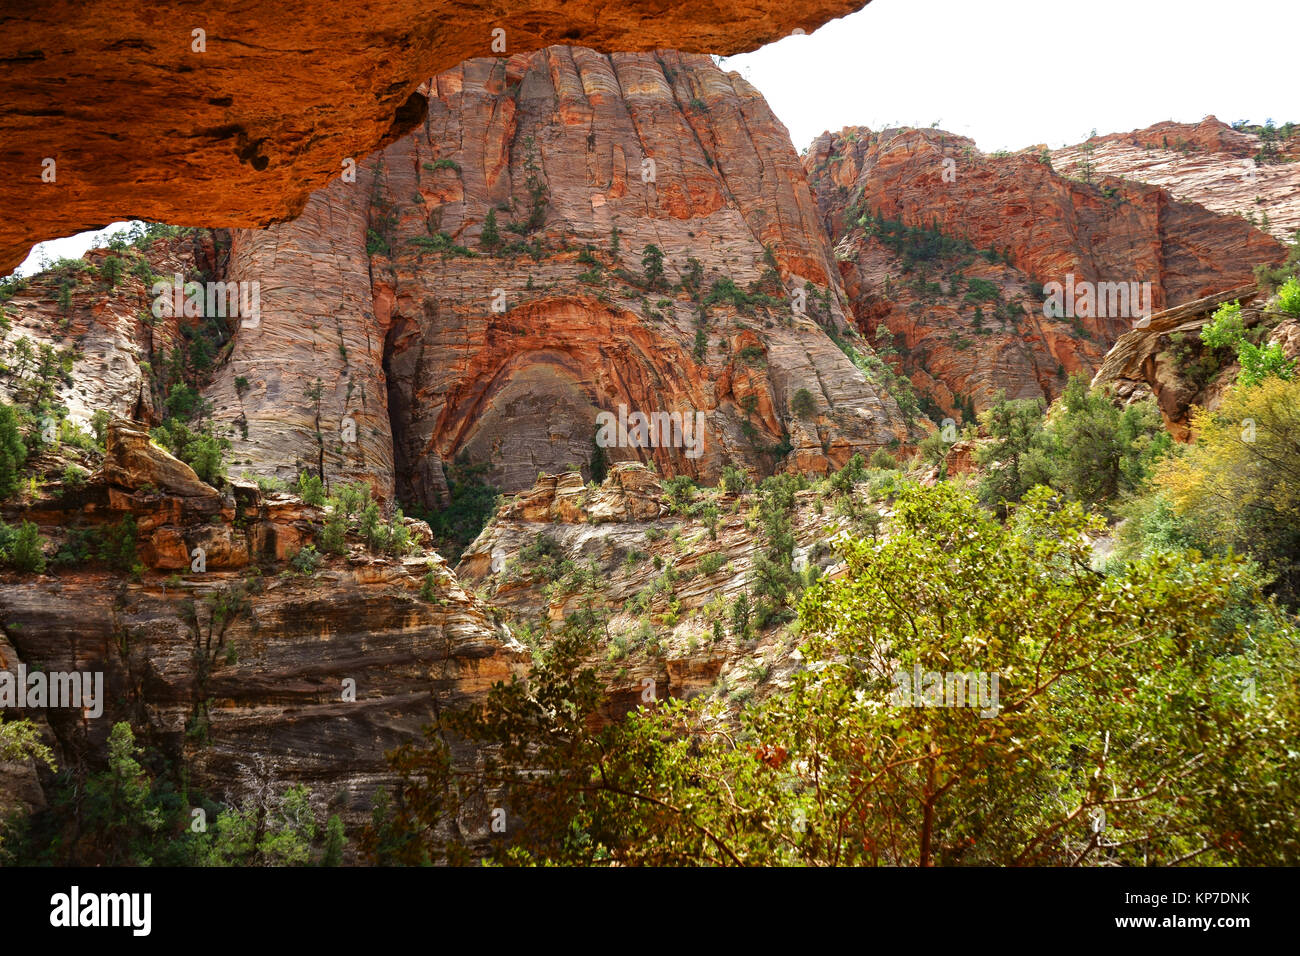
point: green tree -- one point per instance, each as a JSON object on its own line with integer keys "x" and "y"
{"x": 802, "y": 404}
{"x": 652, "y": 261}
{"x": 1017, "y": 458}
{"x": 471, "y": 502}
{"x": 206, "y": 455}
{"x": 735, "y": 481}
{"x": 1288, "y": 296}
{"x": 490, "y": 237}
{"x": 1257, "y": 361}
{"x": 701, "y": 348}
{"x": 23, "y": 548}
{"x": 13, "y": 450}
{"x": 117, "y": 821}
{"x": 311, "y": 489}
{"x": 1117, "y": 734}
{"x": 111, "y": 270}
{"x": 599, "y": 466}
{"x": 1236, "y": 486}
{"x": 21, "y": 740}
{"x": 1100, "y": 449}
{"x": 334, "y": 535}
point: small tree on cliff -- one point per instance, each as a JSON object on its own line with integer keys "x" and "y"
{"x": 490, "y": 238}
{"x": 13, "y": 450}
{"x": 652, "y": 260}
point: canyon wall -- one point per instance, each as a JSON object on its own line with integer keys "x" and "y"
{"x": 505, "y": 353}
{"x": 967, "y": 316}
{"x": 1226, "y": 170}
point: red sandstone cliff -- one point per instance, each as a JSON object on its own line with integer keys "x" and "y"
{"x": 1025, "y": 225}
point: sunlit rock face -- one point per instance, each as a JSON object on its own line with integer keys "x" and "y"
{"x": 1226, "y": 170}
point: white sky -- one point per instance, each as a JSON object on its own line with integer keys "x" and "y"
{"x": 1010, "y": 73}
{"x": 1015, "y": 73}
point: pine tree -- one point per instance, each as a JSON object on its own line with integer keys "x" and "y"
{"x": 490, "y": 237}
{"x": 652, "y": 260}
{"x": 13, "y": 451}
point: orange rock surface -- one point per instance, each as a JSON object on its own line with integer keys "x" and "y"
{"x": 1026, "y": 225}
{"x": 231, "y": 113}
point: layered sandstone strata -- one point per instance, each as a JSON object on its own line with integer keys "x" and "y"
{"x": 667, "y": 583}
{"x": 1167, "y": 361}
{"x": 1226, "y": 170}
{"x": 256, "y": 673}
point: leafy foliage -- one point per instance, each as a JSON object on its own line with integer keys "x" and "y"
{"x": 1236, "y": 487}
{"x": 13, "y": 450}
{"x": 471, "y": 502}
{"x": 1120, "y": 696}
{"x": 1258, "y": 362}
{"x": 1090, "y": 448}
{"x": 127, "y": 814}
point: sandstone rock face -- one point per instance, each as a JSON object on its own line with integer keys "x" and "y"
{"x": 252, "y": 679}
{"x": 664, "y": 579}
{"x": 132, "y": 461}
{"x": 248, "y": 108}
{"x": 507, "y": 354}
{"x": 1208, "y": 163}
{"x": 631, "y": 492}
{"x": 1025, "y": 226}
{"x": 118, "y": 344}
{"x": 20, "y": 780}
{"x": 316, "y": 397}
{"x": 1168, "y": 362}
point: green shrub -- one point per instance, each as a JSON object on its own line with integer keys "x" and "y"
{"x": 438, "y": 164}
{"x": 111, "y": 270}
{"x": 307, "y": 561}
{"x": 1258, "y": 362}
{"x": 13, "y": 450}
{"x": 680, "y": 491}
{"x": 652, "y": 261}
{"x": 334, "y": 535}
{"x": 1288, "y": 296}
{"x": 711, "y": 563}
{"x": 116, "y": 544}
{"x": 735, "y": 481}
{"x": 205, "y": 455}
{"x": 881, "y": 459}
{"x": 74, "y": 477}
{"x": 471, "y": 502}
{"x": 490, "y": 237}
{"x": 981, "y": 290}
{"x": 311, "y": 489}
{"x": 22, "y": 548}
